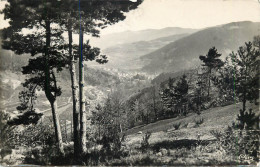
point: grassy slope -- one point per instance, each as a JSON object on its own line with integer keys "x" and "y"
{"x": 215, "y": 118}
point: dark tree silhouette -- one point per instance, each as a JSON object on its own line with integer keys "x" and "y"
{"x": 175, "y": 96}
{"x": 247, "y": 120}
{"x": 181, "y": 93}
{"x": 225, "y": 81}
{"x": 106, "y": 13}
{"x": 92, "y": 15}
{"x": 43, "y": 43}
{"x": 211, "y": 61}
{"x": 246, "y": 61}
{"x": 167, "y": 95}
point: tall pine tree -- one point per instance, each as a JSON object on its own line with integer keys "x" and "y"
{"x": 247, "y": 61}
{"x": 211, "y": 61}
{"x": 42, "y": 42}
{"x": 95, "y": 14}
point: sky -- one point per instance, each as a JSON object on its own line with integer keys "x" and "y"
{"x": 157, "y": 14}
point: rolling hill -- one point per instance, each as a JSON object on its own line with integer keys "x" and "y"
{"x": 184, "y": 53}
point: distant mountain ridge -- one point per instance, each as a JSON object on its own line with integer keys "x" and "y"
{"x": 184, "y": 53}
{"x": 110, "y": 40}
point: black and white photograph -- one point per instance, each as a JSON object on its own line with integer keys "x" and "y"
{"x": 129, "y": 83}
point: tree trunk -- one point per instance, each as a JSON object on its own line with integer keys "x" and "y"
{"x": 209, "y": 81}
{"x": 154, "y": 105}
{"x": 66, "y": 136}
{"x": 82, "y": 108}
{"x": 121, "y": 129}
{"x": 47, "y": 67}
{"x": 57, "y": 128}
{"x": 48, "y": 93}
{"x": 244, "y": 98}
{"x": 147, "y": 117}
{"x": 74, "y": 97}
{"x": 245, "y": 89}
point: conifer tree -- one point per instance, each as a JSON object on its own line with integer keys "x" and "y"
{"x": 90, "y": 12}
{"x": 167, "y": 95}
{"x": 92, "y": 15}
{"x": 41, "y": 42}
{"x": 181, "y": 93}
{"x": 69, "y": 23}
{"x": 247, "y": 61}
{"x": 211, "y": 61}
{"x": 200, "y": 89}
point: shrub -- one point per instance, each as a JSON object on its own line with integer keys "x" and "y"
{"x": 7, "y": 134}
{"x": 145, "y": 142}
{"x": 5, "y": 151}
{"x": 246, "y": 120}
{"x": 177, "y": 125}
{"x": 199, "y": 121}
{"x": 240, "y": 142}
{"x": 43, "y": 147}
{"x": 216, "y": 133}
{"x": 185, "y": 125}
{"x": 112, "y": 144}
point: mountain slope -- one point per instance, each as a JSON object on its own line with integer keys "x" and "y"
{"x": 126, "y": 56}
{"x": 184, "y": 53}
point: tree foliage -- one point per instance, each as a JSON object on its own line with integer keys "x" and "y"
{"x": 211, "y": 61}
{"x": 246, "y": 62}
{"x": 175, "y": 96}
{"x": 108, "y": 121}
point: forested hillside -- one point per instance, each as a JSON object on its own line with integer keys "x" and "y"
{"x": 183, "y": 53}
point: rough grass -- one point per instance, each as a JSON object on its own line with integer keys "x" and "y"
{"x": 219, "y": 117}
{"x": 188, "y": 145}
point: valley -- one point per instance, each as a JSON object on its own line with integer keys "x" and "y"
{"x": 152, "y": 103}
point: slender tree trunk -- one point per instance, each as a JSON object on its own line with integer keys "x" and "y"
{"x": 66, "y": 134}
{"x": 199, "y": 100}
{"x": 244, "y": 99}
{"x": 121, "y": 129}
{"x": 82, "y": 108}
{"x": 71, "y": 130}
{"x": 57, "y": 128}
{"x": 48, "y": 93}
{"x": 245, "y": 89}
{"x": 154, "y": 107}
{"x": 209, "y": 81}
{"x": 147, "y": 117}
{"x": 74, "y": 97}
{"x": 99, "y": 137}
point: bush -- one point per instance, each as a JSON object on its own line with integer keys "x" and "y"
{"x": 112, "y": 145}
{"x": 185, "y": 125}
{"x": 43, "y": 146}
{"x": 247, "y": 120}
{"x": 4, "y": 152}
{"x": 145, "y": 142}
{"x": 216, "y": 133}
{"x": 239, "y": 143}
{"x": 7, "y": 134}
{"x": 199, "y": 121}
{"x": 176, "y": 125}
